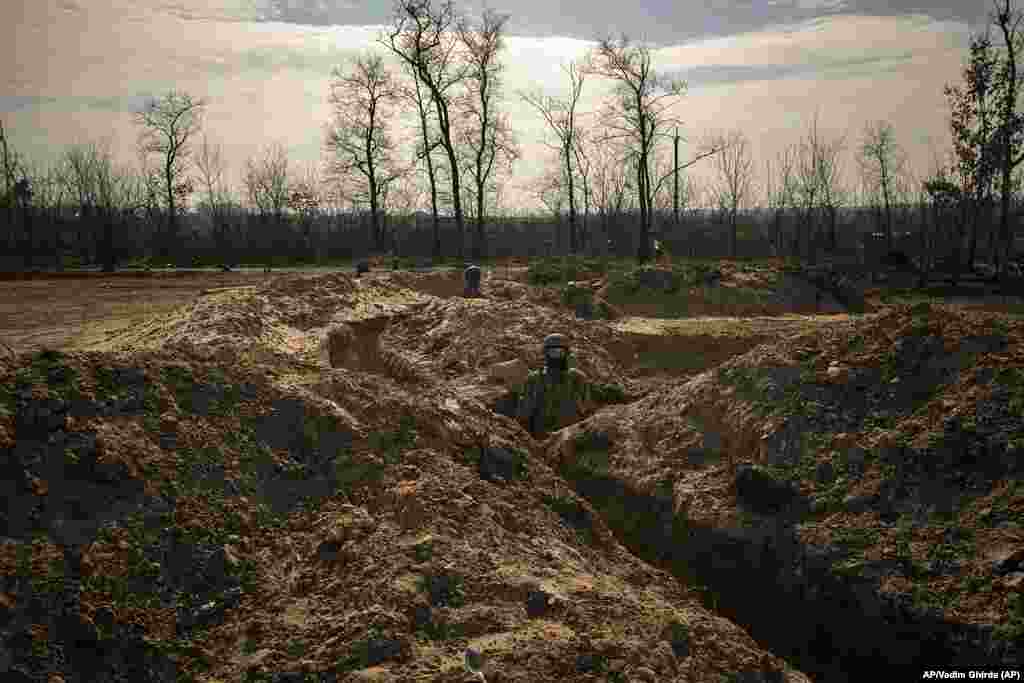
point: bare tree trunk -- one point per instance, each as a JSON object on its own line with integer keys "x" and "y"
{"x": 925, "y": 264}
{"x": 572, "y": 200}
{"x": 109, "y": 258}
{"x": 732, "y": 233}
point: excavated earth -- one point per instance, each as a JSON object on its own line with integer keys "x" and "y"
{"x": 317, "y": 479}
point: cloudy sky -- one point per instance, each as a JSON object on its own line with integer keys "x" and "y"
{"x": 75, "y": 70}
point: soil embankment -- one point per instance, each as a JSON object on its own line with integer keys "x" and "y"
{"x": 210, "y": 490}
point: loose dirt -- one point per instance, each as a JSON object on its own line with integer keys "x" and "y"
{"x": 223, "y": 392}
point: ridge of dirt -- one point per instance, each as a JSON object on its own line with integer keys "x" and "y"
{"x": 205, "y": 494}
{"x": 902, "y": 433}
{"x": 236, "y": 507}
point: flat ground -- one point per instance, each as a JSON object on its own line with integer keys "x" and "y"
{"x": 55, "y": 311}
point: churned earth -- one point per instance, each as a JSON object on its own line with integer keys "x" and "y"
{"x": 315, "y": 477}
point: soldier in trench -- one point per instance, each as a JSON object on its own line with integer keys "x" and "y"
{"x": 471, "y": 282}
{"x": 556, "y": 396}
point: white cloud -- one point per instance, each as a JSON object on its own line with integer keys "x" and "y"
{"x": 268, "y": 81}
{"x": 826, "y": 5}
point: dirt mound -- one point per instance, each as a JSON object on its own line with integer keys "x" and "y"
{"x": 275, "y": 322}
{"x": 315, "y": 522}
{"x": 308, "y": 475}
{"x": 898, "y": 438}
{"x": 726, "y": 288}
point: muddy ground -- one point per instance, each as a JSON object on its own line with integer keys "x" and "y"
{"x": 313, "y": 477}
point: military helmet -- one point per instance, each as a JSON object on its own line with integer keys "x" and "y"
{"x": 556, "y": 346}
{"x": 556, "y": 340}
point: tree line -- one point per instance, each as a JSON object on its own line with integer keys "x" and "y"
{"x": 448, "y": 75}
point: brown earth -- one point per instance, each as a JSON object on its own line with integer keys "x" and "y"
{"x": 419, "y": 554}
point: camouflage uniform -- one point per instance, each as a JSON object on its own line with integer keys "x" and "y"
{"x": 554, "y": 397}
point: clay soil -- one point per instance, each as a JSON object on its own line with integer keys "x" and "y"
{"x": 416, "y": 401}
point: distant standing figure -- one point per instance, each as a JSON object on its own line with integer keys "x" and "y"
{"x": 471, "y": 281}
{"x": 556, "y": 396}
{"x": 362, "y": 267}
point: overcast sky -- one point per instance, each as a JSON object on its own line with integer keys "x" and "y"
{"x": 75, "y": 70}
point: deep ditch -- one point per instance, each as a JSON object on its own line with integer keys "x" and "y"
{"x": 786, "y": 595}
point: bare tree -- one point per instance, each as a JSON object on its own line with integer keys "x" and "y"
{"x": 561, "y": 117}
{"x": 104, "y": 190}
{"x": 266, "y": 180}
{"x": 428, "y": 142}
{"x": 584, "y": 165}
{"x": 833, "y": 192}
{"x": 359, "y": 139}
{"x": 267, "y": 187}
{"x": 780, "y": 190}
{"x": 638, "y": 113}
{"x": 306, "y": 197}
{"x": 818, "y": 175}
{"x": 13, "y": 167}
{"x": 881, "y": 162}
{"x": 1010, "y": 123}
{"x": 422, "y": 36}
{"x": 113, "y": 189}
{"x": 17, "y": 192}
{"x": 973, "y": 109}
{"x": 168, "y": 123}
{"x": 549, "y": 188}
{"x": 79, "y": 174}
{"x": 212, "y": 169}
{"x": 490, "y": 139}
{"x": 613, "y": 192}
{"x": 807, "y": 186}
{"x": 48, "y": 195}
{"x": 735, "y": 170}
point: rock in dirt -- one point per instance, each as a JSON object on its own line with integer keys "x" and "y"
{"x": 538, "y": 602}
{"x": 1007, "y": 561}
{"x": 499, "y": 464}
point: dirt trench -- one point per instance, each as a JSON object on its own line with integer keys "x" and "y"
{"x": 356, "y": 345}
{"x": 785, "y": 594}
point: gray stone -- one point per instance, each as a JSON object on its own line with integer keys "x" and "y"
{"x": 1008, "y": 561}
{"x": 587, "y": 662}
{"x": 501, "y": 464}
{"x": 678, "y": 636}
{"x": 379, "y": 650}
{"x": 537, "y": 603}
